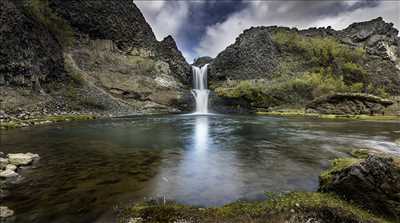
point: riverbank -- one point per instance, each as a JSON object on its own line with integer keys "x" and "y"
{"x": 13, "y": 123}
{"x": 302, "y": 113}
{"x": 341, "y": 198}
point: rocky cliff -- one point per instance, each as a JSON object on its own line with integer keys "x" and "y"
{"x": 269, "y": 67}
{"x": 86, "y": 56}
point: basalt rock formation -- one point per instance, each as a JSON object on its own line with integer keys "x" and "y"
{"x": 252, "y": 56}
{"x": 373, "y": 183}
{"x": 86, "y": 56}
{"x": 352, "y": 104}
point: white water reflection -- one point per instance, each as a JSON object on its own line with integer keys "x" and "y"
{"x": 200, "y": 135}
{"x": 192, "y": 180}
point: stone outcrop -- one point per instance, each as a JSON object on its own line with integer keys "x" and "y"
{"x": 351, "y": 104}
{"x": 252, "y": 56}
{"x": 86, "y": 56}
{"x": 29, "y": 53}
{"x": 373, "y": 183}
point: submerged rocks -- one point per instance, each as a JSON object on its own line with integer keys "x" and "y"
{"x": 5, "y": 212}
{"x": 349, "y": 104}
{"x": 3, "y": 163}
{"x": 8, "y": 173}
{"x": 9, "y": 165}
{"x": 21, "y": 159}
{"x": 373, "y": 183}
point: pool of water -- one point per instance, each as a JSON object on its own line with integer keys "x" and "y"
{"x": 88, "y": 168}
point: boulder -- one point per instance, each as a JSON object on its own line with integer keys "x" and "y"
{"x": 373, "y": 183}
{"x": 349, "y": 104}
{"x": 3, "y": 163}
{"x": 8, "y": 173}
{"x": 11, "y": 167}
{"x": 5, "y": 212}
{"x": 21, "y": 159}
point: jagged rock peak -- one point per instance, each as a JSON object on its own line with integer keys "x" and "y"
{"x": 120, "y": 21}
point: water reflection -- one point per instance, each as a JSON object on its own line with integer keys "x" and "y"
{"x": 206, "y": 174}
{"x": 200, "y": 135}
{"x": 198, "y": 160}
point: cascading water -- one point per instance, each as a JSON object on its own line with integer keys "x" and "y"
{"x": 200, "y": 91}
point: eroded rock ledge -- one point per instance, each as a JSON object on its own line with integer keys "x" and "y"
{"x": 349, "y": 104}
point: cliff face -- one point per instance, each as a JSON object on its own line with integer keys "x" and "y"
{"x": 119, "y": 21}
{"x": 282, "y": 67}
{"x": 83, "y": 55}
{"x": 253, "y": 55}
{"x": 29, "y": 54}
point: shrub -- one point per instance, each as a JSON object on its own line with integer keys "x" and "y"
{"x": 356, "y": 88}
{"x": 353, "y": 72}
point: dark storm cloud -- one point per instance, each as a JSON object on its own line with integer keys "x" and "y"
{"x": 206, "y": 27}
{"x": 203, "y": 15}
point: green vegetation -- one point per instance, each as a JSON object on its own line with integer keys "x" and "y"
{"x": 40, "y": 10}
{"x": 336, "y": 166}
{"x": 360, "y": 153}
{"x": 286, "y": 90}
{"x": 302, "y": 113}
{"x": 321, "y": 65}
{"x": 44, "y": 120}
{"x": 295, "y": 206}
{"x": 321, "y": 51}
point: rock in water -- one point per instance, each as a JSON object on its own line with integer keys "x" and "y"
{"x": 8, "y": 173}
{"x": 5, "y": 212}
{"x": 3, "y": 163}
{"x": 373, "y": 184}
{"x": 11, "y": 167}
{"x": 21, "y": 159}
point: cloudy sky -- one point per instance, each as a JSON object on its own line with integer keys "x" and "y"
{"x": 206, "y": 27}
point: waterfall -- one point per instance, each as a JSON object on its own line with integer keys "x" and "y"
{"x": 200, "y": 91}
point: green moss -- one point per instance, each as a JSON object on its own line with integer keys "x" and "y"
{"x": 297, "y": 90}
{"x": 61, "y": 118}
{"x": 360, "y": 153}
{"x": 40, "y": 10}
{"x": 336, "y": 166}
{"x": 301, "y": 113}
{"x": 9, "y": 125}
{"x": 321, "y": 51}
{"x": 281, "y": 208}
{"x": 44, "y": 120}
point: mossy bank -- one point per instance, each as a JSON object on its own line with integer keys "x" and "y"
{"x": 332, "y": 204}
